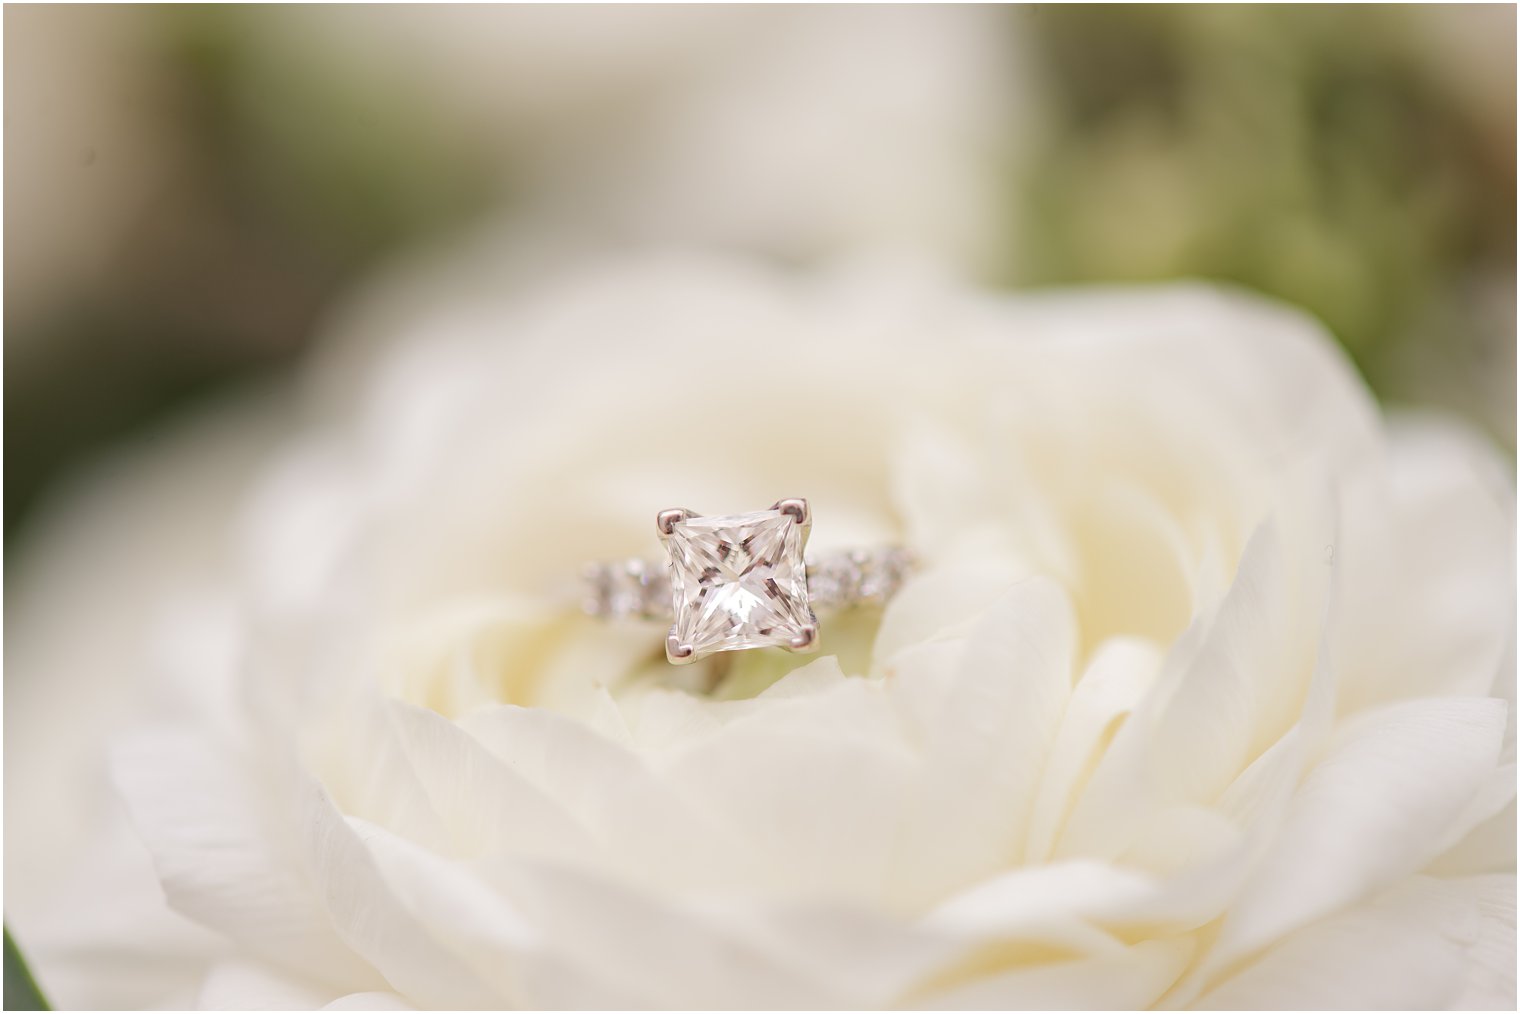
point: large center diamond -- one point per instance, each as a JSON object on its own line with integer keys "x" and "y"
{"x": 738, "y": 581}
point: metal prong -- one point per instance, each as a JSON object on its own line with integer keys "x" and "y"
{"x": 798, "y": 510}
{"x": 806, "y": 639}
{"x": 674, "y": 516}
{"x": 676, "y": 652}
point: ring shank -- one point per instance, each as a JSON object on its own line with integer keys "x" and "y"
{"x": 639, "y": 589}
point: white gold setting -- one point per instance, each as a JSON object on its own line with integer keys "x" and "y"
{"x": 739, "y": 581}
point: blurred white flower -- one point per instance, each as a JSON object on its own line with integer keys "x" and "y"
{"x": 797, "y": 131}
{"x": 1199, "y": 700}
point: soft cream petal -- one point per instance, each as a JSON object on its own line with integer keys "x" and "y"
{"x": 1430, "y": 567}
{"x": 358, "y": 753}
{"x": 651, "y": 828}
{"x": 456, "y": 907}
{"x": 1043, "y": 903}
{"x": 1133, "y": 978}
{"x": 239, "y": 984}
{"x": 1487, "y": 847}
{"x": 1378, "y": 807}
{"x": 1136, "y": 569}
{"x": 985, "y": 740}
{"x": 227, "y": 854}
{"x": 943, "y": 601}
{"x": 609, "y": 941}
{"x": 372, "y": 918}
{"x": 971, "y": 504}
{"x": 109, "y": 938}
{"x": 813, "y": 786}
{"x": 653, "y": 953}
{"x": 369, "y": 1001}
{"x": 1424, "y": 944}
{"x": 484, "y": 805}
{"x": 1189, "y": 738}
{"x": 1116, "y": 679}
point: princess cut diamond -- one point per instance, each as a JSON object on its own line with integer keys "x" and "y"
{"x": 738, "y": 581}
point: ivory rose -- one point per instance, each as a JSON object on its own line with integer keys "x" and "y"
{"x": 1200, "y": 697}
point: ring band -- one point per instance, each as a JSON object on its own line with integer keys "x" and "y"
{"x": 740, "y": 581}
{"x": 639, "y": 589}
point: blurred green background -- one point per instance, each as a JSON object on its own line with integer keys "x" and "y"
{"x": 189, "y": 188}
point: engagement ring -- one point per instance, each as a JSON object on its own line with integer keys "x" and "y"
{"x": 738, "y": 581}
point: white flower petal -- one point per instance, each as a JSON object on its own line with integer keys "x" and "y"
{"x": 1135, "y": 569}
{"x": 484, "y": 804}
{"x": 372, "y": 918}
{"x": 1423, "y": 944}
{"x": 369, "y": 1001}
{"x": 657, "y": 952}
{"x": 235, "y": 984}
{"x": 111, "y": 938}
{"x": 653, "y": 955}
{"x": 649, "y": 826}
{"x": 1192, "y": 735}
{"x": 225, "y": 860}
{"x": 813, "y": 787}
{"x": 941, "y": 602}
{"x": 1044, "y": 903}
{"x": 1377, "y": 807}
{"x": 1116, "y": 679}
{"x": 985, "y": 740}
{"x": 1133, "y": 978}
{"x": 965, "y": 504}
{"x": 1431, "y": 572}
{"x": 452, "y": 904}
{"x": 1487, "y": 847}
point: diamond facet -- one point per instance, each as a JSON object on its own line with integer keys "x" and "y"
{"x": 739, "y": 581}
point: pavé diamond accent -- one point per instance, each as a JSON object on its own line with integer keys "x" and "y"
{"x": 627, "y": 589}
{"x": 739, "y": 581}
